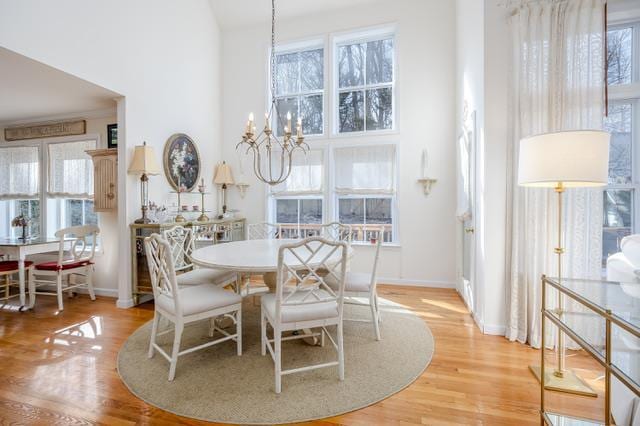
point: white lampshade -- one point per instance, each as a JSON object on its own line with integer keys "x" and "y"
{"x": 223, "y": 175}
{"x": 572, "y": 158}
{"x": 144, "y": 161}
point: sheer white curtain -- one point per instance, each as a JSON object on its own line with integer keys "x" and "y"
{"x": 368, "y": 169}
{"x": 558, "y": 84}
{"x": 70, "y": 169}
{"x": 19, "y": 172}
{"x": 306, "y": 175}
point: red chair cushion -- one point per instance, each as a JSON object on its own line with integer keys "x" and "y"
{"x": 53, "y": 266}
{"x": 12, "y": 265}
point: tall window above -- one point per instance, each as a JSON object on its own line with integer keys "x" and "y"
{"x": 19, "y": 187}
{"x": 365, "y": 74}
{"x": 299, "y": 79}
{"x": 621, "y": 213}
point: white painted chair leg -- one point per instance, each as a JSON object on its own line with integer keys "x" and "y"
{"x": 378, "y": 308}
{"x": 176, "y": 348}
{"x": 89, "y": 278}
{"x": 32, "y": 288}
{"x": 263, "y": 333}
{"x": 340, "y": 352}
{"x": 239, "y": 330}
{"x": 59, "y": 291}
{"x": 277, "y": 337}
{"x": 374, "y": 317}
{"x": 154, "y": 331}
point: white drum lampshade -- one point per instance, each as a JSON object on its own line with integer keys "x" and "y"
{"x": 572, "y": 158}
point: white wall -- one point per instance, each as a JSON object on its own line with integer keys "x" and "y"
{"x": 426, "y": 113}
{"x": 482, "y": 81}
{"x": 161, "y": 55}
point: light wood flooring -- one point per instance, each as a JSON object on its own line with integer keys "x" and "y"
{"x": 60, "y": 368}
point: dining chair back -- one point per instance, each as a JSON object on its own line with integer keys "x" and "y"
{"x": 181, "y": 241}
{"x": 160, "y": 258}
{"x": 305, "y": 301}
{"x": 264, "y": 231}
{"x": 337, "y": 231}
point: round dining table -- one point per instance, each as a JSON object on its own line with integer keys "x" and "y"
{"x": 261, "y": 257}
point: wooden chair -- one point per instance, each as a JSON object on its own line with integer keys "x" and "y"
{"x": 363, "y": 285}
{"x": 81, "y": 241}
{"x": 310, "y": 303}
{"x": 264, "y": 231}
{"x": 185, "y": 305}
{"x": 182, "y": 243}
{"x": 8, "y": 268}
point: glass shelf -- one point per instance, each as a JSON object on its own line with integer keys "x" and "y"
{"x": 562, "y": 420}
{"x": 190, "y": 192}
{"x": 189, "y": 211}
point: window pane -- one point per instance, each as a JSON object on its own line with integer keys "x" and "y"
{"x": 351, "y": 111}
{"x": 311, "y": 211}
{"x": 74, "y": 212}
{"x": 287, "y": 211}
{"x": 90, "y": 216}
{"x": 287, "y": 74}
{"x": 311, "y": 112}
{"x": 379, "y": 210}
{"x": 619, "y": 55}
{"x": 617, "y": 208}
{"x": 312, "y": 70}
{"x": 30, "y": 209}
{"x": 351, "y": 65}
{"x": 611, "y": 238}
{"x": 283, "y": 106}
{"x": 351, "y": 210}
{"x": 380, "y": 61}
{"x": 618, "y": 123}
{"x": 379, "y": 109}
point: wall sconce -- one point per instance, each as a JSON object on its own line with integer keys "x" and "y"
{"x": 425, "y": 180}
{"x": 242, "y": 187}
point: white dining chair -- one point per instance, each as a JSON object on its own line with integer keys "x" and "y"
{"x": 264, "y": 231}
{"x": 77, "y": 260}
{"x": 309, "y": 303}
{"x": 337, "y": 231}
{"x": 182, "y": 243}
{"x": 185, "y": 305}
{"x": 363, "y": 286}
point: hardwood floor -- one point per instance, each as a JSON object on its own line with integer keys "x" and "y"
{"x": 61, "y": 369}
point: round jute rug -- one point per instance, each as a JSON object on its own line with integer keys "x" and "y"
{"x": 214, "y": 384}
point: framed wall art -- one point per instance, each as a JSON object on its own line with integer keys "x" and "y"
{"x": 181, "y": 161}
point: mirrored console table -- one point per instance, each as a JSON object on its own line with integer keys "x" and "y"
{"x": 208, "y": 232}
{"x": 603, "y": 318}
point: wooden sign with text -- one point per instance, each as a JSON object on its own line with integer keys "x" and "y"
{"x": 49, "y": 130}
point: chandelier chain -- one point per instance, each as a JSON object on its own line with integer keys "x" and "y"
{"x": 273, "y": 50}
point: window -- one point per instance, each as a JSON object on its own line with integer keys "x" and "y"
{"x": 365, "y": 189}
{"x": 297, "y": 203}
{"x": 623, "y": 122}
{"x": 365, "y": 79}
{"x": 68, "y": 182}
{"x": 299, "y": 79}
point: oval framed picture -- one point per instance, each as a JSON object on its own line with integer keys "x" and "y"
{"x": 181, "y": 160}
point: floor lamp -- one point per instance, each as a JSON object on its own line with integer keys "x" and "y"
{"x": 563, "y": 160}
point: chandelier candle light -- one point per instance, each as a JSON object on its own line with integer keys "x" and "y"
{"x": 272, "y": 157}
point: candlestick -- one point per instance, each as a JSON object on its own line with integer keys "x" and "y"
{"x": 289, "y": 119}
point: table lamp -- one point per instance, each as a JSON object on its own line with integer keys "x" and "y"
{"x": 144, "y": 163}
{"x": 223, "y": 177}
{"x": 564, "y": 160}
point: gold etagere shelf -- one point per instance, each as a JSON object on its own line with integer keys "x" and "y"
{"x": 615, "y": 303}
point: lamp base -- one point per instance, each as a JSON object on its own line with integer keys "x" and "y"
{"x": 569, "y": 382}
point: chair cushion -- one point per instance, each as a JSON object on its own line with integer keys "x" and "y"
{"x": 196, "y": 299}
{"x": 205, "y": 276}
{"x": 355, "y": 282}
{"x": 12, "y": 265}
{"x": 630, "y": 246}
{"x": 307, "y": 312}
{"x": 53, "y": 266}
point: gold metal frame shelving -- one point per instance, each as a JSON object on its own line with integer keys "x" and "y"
{"x": 605, "y": 360}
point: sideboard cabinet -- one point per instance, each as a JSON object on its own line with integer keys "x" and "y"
{"x": 206, "y": 233}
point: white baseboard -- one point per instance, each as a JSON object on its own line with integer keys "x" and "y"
{"x": 124, "y": 303}
{"x": 494, "y": 330}
{"x": 416, "y": 283}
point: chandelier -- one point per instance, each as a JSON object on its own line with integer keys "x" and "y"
{"x": 272, "y": 156}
